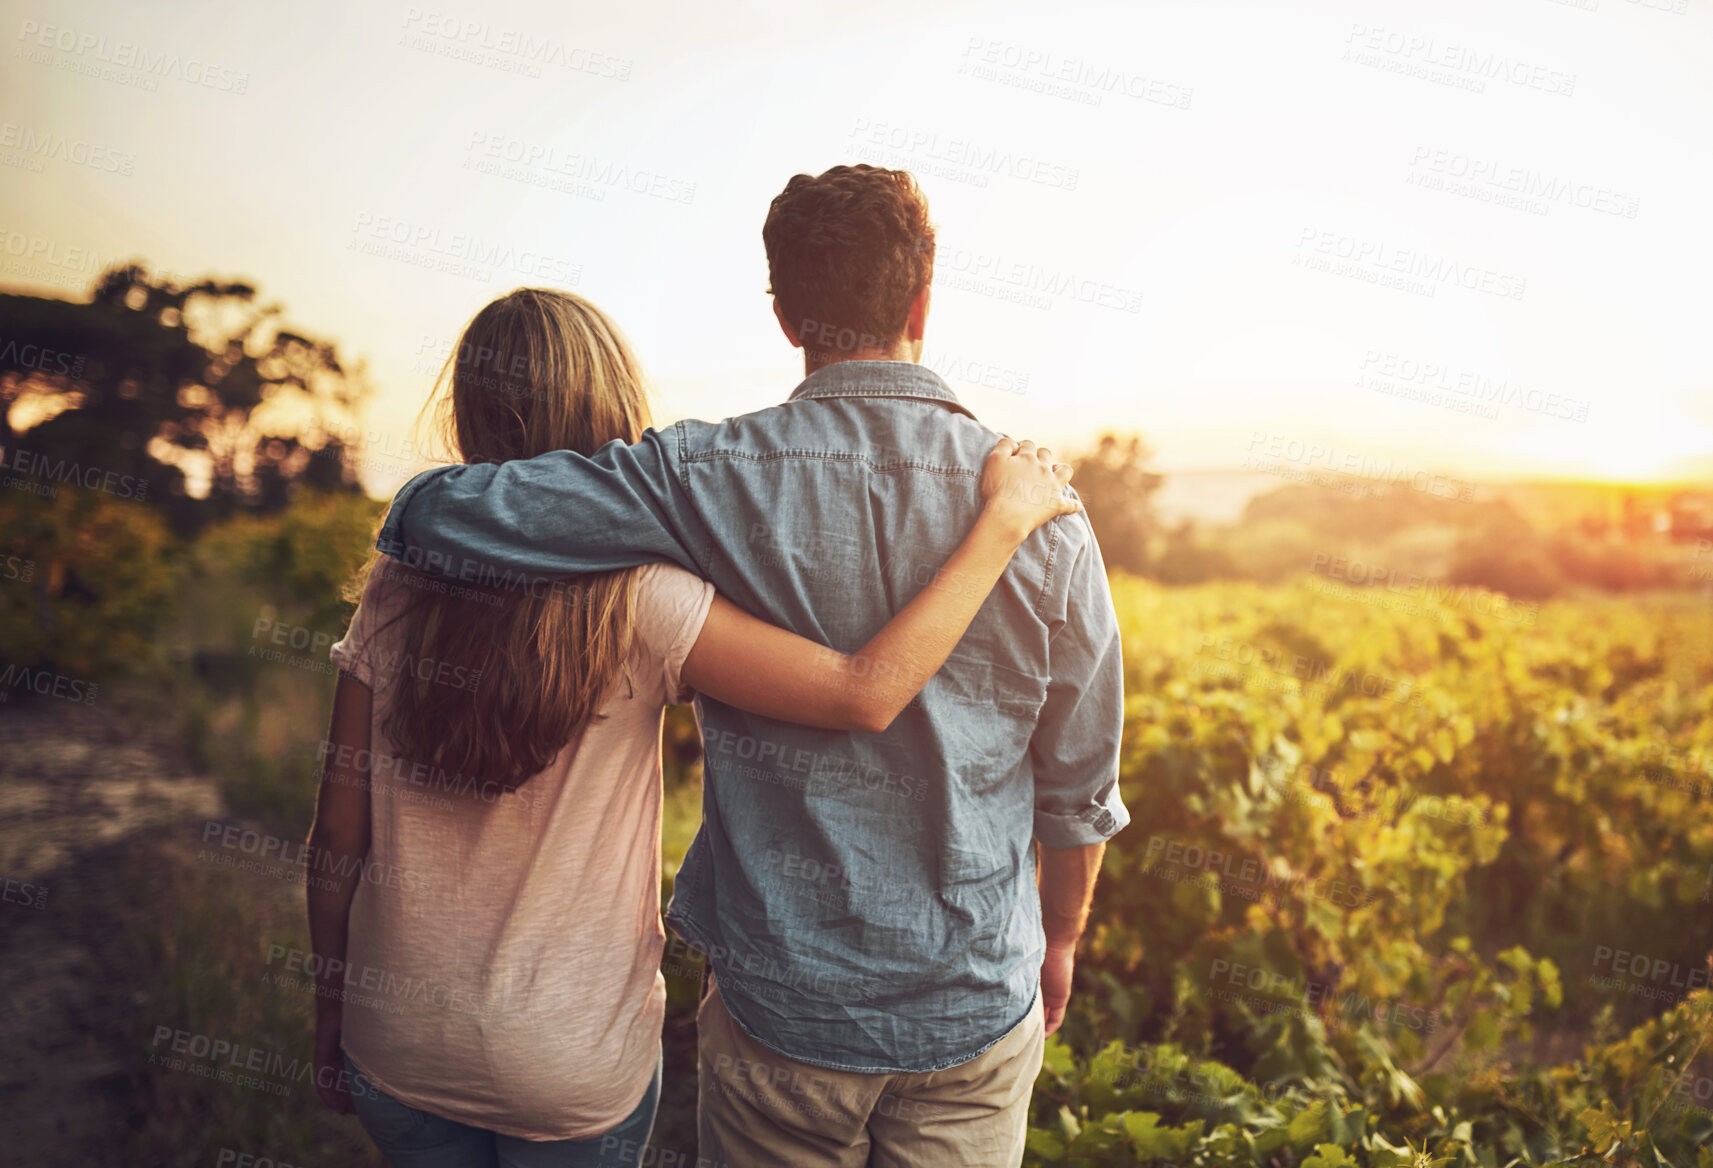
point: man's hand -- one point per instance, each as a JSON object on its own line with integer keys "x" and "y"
{"x": 1056, "y": 971}
{"x": 1067, "y": 883}
{"x": 330, "y": 1079}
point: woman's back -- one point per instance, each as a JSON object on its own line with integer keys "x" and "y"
{"x": 504, "y": 947}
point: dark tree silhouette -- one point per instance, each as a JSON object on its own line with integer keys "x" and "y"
{"x": 1117, "y": 489}
{"x": 151, "y": 380}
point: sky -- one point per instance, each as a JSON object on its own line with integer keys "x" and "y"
{"x": 1467, "y": 238}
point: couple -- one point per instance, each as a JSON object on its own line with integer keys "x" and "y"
{"x": 905, "y": 666}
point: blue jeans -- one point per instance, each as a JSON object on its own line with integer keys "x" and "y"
{"x": 416, "y": 1139}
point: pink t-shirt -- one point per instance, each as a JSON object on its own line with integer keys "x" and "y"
{"x": 504, "y": 952}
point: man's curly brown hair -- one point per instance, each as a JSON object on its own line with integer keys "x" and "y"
{"x": 847, "y": 250}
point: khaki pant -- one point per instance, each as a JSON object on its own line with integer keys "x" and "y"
{"x": 757, "y": 1108}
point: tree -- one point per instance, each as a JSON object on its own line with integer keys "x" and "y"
{"x": 1117, "y": 489}
{"x": 183, "y": 390}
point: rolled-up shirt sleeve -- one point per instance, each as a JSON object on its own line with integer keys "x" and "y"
{"x": 558, "y": 514}
{"x": 1075, "y": 747}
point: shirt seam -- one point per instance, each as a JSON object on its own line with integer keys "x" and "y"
{"x": 803, "y": 452}
{"x": 1047, "y": 576}
{"x": 707, "y": 549}
{"x": 892, "y": 392}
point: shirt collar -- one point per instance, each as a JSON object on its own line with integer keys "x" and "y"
{"x": 879, "y": 379}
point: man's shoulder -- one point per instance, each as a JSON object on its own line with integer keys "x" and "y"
{"x": 888, "y": 433}
{"x": 1074, "y": 536}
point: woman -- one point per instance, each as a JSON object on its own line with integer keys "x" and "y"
{"x": 485, "y": 887}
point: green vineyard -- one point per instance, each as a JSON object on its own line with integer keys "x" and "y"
{"x": 1405, "y": 883}
{"x": 1410, "y": 879}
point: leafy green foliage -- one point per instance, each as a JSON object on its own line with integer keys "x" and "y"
{"x": 86, "y": 581}
{"x": 1372, "y": 851}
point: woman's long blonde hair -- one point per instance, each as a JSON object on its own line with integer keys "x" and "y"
{"x": 503, "y": 677}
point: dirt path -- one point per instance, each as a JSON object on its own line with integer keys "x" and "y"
{"x": 90, "y": 812}
{"x": 76, "y": 791}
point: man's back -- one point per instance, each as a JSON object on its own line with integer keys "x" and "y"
{"x": 868, "y": 900}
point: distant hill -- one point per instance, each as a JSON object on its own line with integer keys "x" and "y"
{"x": 1531, "y": 539}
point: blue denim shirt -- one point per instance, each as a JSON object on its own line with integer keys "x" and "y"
{"x": 867, "y": 901}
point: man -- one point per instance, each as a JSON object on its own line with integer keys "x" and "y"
{"x": 883, "y": 972}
